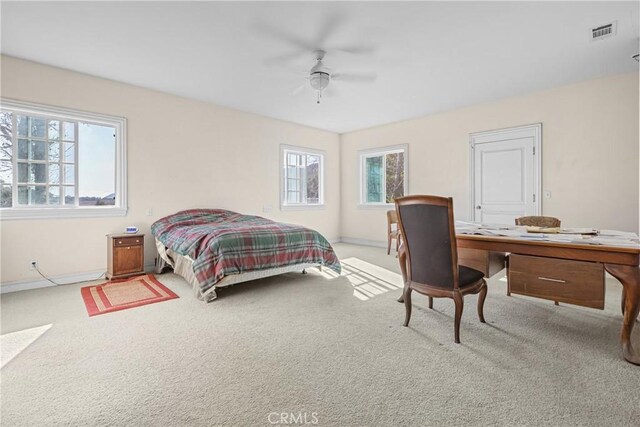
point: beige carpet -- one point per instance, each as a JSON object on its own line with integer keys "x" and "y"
{"x": 332, "y": 348}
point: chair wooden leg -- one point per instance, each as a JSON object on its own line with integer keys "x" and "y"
{"x": 624, "y": 296}
{"x": 431, "y": 303}
{"x": 459, "y": 301}
{"x": 397, "y": 243}
{"x": 407, "y": 304}
{"x": 388, "y": 245}
{"x": 556, "y": 302}
{"x": 481, "y": 298}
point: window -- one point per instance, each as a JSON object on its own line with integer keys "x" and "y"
{"x": 60, "y": 163}
{"x": 383, "y": 175}
{"x": 302, "y": 177}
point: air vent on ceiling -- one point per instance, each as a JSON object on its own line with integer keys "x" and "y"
{"x": 604, "y": 31}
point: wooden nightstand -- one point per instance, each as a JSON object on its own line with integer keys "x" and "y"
{"x": 125, "y": 255}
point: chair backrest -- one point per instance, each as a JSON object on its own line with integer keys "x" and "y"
{"x": 392, "y": 218}
{"x": 427, "y": 227}
{"x": 538, "y": 221}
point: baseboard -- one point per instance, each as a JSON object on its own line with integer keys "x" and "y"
{"x": 363, "y": 242}
{"x": 25, "y": 285}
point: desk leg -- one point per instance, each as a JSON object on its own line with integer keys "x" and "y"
{"x": 630, "y": 278}
{"x": 402, "y": 259}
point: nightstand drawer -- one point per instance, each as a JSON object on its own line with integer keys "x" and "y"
{"x": 572, "y": 282}
{"x": 128, "y": 260}
{"x": 128, "y": 241}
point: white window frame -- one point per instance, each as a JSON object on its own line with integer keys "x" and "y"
{"x": 68, "y": 211}
{"x": 284, "y": 150}
{"x": 376, "y": 152}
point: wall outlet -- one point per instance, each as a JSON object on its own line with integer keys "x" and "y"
{"x": 32, "y": 265}
{"x": 267, "y": 208}
{"x": 547, "y": 194}
{"x": 150, "y": 212}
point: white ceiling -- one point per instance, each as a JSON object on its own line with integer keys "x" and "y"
{"x": 429, "y": 56}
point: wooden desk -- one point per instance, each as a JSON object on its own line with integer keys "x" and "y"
{"x": 621, "y": 262}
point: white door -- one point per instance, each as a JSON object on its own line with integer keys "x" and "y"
{"x": 505, "y": 174}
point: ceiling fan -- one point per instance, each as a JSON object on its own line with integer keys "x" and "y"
{"x": 320, "y": 76}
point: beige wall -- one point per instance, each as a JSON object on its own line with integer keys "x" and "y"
{"x": 181, "y": 154}
{"x": 184, "y": 154}
{"x": 589, "y": 146}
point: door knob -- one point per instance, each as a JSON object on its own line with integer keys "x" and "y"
{"x": 478, "y": 207}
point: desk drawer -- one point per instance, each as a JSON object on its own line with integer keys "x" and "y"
{"x": 128, "y": 241}
{"x": 490, "y": 263}
{"x": 572, "y": 282}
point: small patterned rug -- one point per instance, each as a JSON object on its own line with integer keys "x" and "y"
{"x": 125, "y": 293}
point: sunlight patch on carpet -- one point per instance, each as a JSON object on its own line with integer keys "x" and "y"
{"x": 12, "y": 344}
{"x": 369, "y": 280}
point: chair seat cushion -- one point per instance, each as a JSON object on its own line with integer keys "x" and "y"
{"x": 468, "y": 276}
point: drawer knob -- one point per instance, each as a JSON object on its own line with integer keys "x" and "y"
{"x": 137, "y": 241}
{"x": 119, "y": 241}
{"x": 549, "y": 279}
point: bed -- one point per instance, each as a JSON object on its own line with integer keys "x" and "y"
{"x": 213, "y": 248}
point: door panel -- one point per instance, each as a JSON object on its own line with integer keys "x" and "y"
{"x": 502, "y": 180}
{"x": 505, "y": 175}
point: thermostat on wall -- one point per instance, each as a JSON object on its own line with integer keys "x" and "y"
{"x": 131, "y": 230}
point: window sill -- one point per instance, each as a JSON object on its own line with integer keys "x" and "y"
{"x": 386, "y": 206}
{"x": 55, "y": 213}
{"x": 301, "y": 207}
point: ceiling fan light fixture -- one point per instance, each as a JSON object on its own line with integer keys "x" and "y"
{"x": 319, "y": 80}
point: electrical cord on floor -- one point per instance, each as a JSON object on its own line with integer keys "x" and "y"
{"x": 68, "y": 283}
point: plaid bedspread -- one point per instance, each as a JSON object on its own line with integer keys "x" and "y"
{"x": 222, "y": 242}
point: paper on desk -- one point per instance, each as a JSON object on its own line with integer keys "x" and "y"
{"x": 578, "y": 231}
{"x": 490, "y": 232}
{"x": 617, "y": 233}
{"x": 534, "y": 236}
{"x": 571, "y": 238}
{"x": 606, "y": 237}
{"x": 617, "y": 241}
{"x": 478, "y": 225}
{"x": 463, "y": 227}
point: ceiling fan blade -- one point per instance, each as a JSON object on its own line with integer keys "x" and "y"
{"x": 298, "y": 89}
{"x": 302, "y": 45}
{"x": 285, "y": 57}
{"x": 355, "y": 77}
{"x": 331, "y": 92}
{"x": 331, "y": 23}
{"x": 354, "y": 50}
